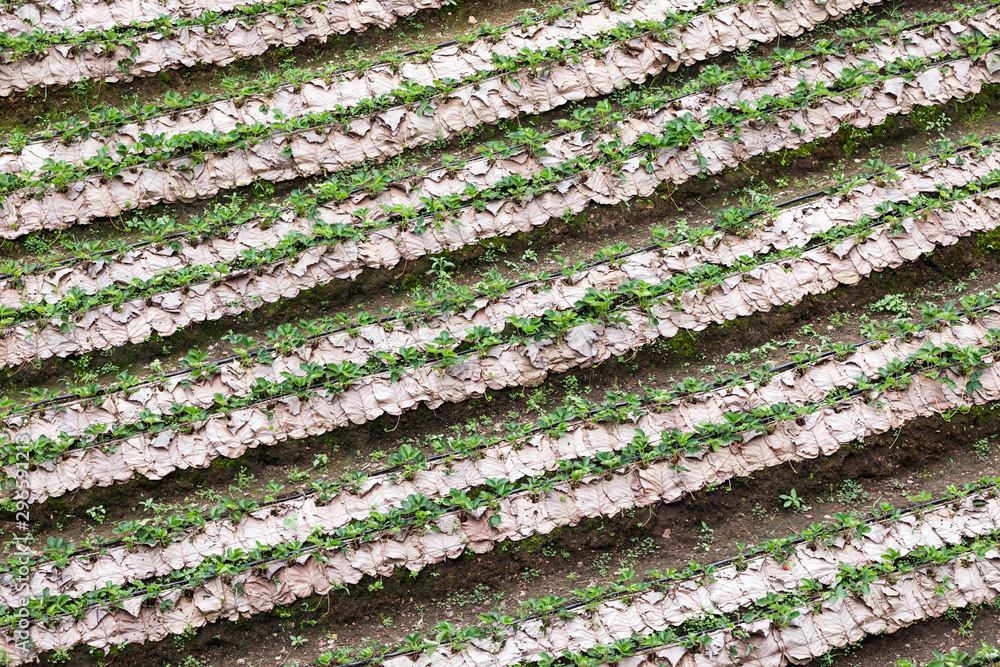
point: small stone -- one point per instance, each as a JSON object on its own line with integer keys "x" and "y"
{"x": 472, "y": 20}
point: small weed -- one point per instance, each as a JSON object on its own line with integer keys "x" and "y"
{"x": 244, "y": 480}
{"x": 477, "y": 597}
{"x": 36, "y": 245}
{"x": 59, "y": 657}
{"x": 706, "y": 537}
{"x": 930, "y": 119}
{"x": 851, "y": 493}
{"x": 737, "y": 358}
{"x": 893, "y": 304}
{"x": 185, "y": 638}
{"x": 983, "y": 449}
{"x": 97, "y": 513}
{"x": 795, "y": 501}
{"x": 538, "y": 400}
{"x": 964, "y": 618}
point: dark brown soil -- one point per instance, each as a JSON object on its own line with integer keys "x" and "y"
{"x": 964, "y": 631}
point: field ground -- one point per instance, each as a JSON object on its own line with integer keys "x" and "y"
{"x": 925, "y": 456}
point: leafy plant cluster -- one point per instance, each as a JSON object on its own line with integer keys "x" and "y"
{"x": 986, "y": 655}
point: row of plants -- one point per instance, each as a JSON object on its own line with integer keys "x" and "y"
{"x": 48, "y": 608}
{"x": 497, "y": 626}
{"x": 617, "y": 407}
{"x": 455, "y": 299}
{"x": 847, "y": 526}
{"x": 449, "y": 298}
{"x": 160, "y": 147}
{"x": 366, "y": 178}
{"x": 598, "y": 306}
{"x": 602, "y": 118}
{"x": 986, "y": 655}
{"x": 123, "y": 42}
{"x": 38, "y": 41}
{"x": 105, "y": 122}
{"x": 373, "y": 180}
{"x": 154, "y": 149}
{"x": 43, "y": 479}
{"x": 608, "y": 306}
{"x": 386, "y": 378}
{"x": 417, "y": 511}
{"x": 928, "y": 360}
{"x": 677, "y": 133}
{"x": 781, "y": 609}
{"x": 106, "y": 165}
